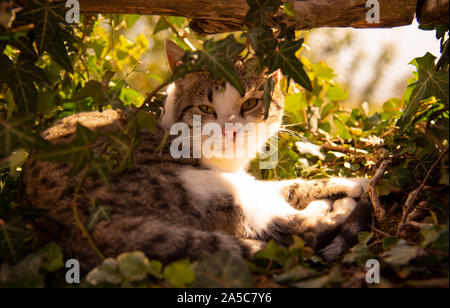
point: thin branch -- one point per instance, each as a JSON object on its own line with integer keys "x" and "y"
{"x": 180, "y": 35}
{"x": 409, "y": 205}
{"x": 149, "y": 97}
{"x": 80, "y": 223}
{"x": 377, "y": 207}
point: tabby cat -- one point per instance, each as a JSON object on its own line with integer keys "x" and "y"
{"x": 176, "y": 208}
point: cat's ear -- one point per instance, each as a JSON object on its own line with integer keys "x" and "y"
{"x": 174, "y": 54}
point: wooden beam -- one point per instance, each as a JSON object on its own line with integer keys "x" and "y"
{"x": 433, "y": 12}
{"x": 217, "y": 16}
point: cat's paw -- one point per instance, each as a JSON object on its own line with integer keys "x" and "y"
{"x": 351, "y": 187}
{"x": 317, "y": 211}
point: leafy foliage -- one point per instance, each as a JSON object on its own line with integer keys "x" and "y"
{"x": 50, "y": 70}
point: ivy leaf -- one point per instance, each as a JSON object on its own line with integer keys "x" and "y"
{"x": 228, "y": 48}
{"x": 146, "y": 120}
{"x": 400, "y": 254}
{"x": 101, "y": 167}
{"x": 78, "y": 152}
{"x": 262, "y": 40}
{"x": 124, "y": 143}
{"x": 161, "y": 25}
{"x": 297, "y": 273}
{"x": 276, "y": 253}
{"x": 133, "y": 265}
{"x": 179, "y": 274}
{"x": 94, "y": 89}
{"x": 25, "y": 45}
{"x": 222, "y": 270}
{"x": 58, "y": 52}
{"x": 20, "y": 78}
{"x": 107, "y": 272}
{"x": 17, "y": 134}
{"x": 430, "y": 83}
{"x": 258, "y": 10}
{"x": 45, "y": 15}
{"x": 218, "y": 59}
{"x": 53, "y": 257}
{"x": 98, "y": 214}
{"x": 286, "y": 60}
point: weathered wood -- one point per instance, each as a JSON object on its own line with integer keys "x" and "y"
{"x": 433, "y": 11}
{"x": 216, "y": 16}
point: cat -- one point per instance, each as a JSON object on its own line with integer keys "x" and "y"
{"x": 188, "y": 207}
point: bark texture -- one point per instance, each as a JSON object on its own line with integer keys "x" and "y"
{"x": 217, "y": 16}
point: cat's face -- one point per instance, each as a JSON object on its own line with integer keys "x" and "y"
{"x": 199, "y": 95}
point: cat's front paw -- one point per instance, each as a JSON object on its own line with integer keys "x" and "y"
{"x": 351, "y": 187}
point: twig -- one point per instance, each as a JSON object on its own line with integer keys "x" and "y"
{"x": 80, "y": 224}
{"x": 433, "y": 251}
{"x": 415, "y": 193}
{"x": 417, "y": 225}
{"x": 153, "y": 93}
{"x": 180, "y": 36}
{"x": 389, "y": 132}
{"x": 377, "y": 208}
{"x": 342, "y": 149}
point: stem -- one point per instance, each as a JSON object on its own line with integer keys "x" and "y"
{"x": 377, "y": 208}
{"x": 8, "y": 239}
{"x": 180, "y": 35}
{"x": 409, "y": 205}
{"x": 79, "y": 222}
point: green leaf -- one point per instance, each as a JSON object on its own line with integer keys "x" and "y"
{"x": 179, "y": 274}
{"x": 228, "y": 48}
{"x": 222, "y": 270}
{"x": 430, "y": 83}
{"x": 53, "y": 257}
{"x": 131, "y": 19}
{"x": 26, "y": 47}
{"x": 107, "y": 272}
{"x": 389, "y": 242}
{"x": 336, "y": 93}
{"x": 400, "y": 254}
{"x": 46, "y": 16}
{"x": 20, "y": 78}
{"x": 146, "y": 120}
{"x": 218, "y": 58}
{"x": 258, "y": 10}
{"x": 155, "y": 269}
{"x": 92, "y": 89}
{"x": 275, "y": 253}
{"x": 262, "y": 40}
{"x": 124, "y": 143}
{"x": 133, "y": 265}
{"x": 107, "y": 78}
{"x": 335, "y": 276}
{"x": 297, "y": 273}
{"x": 58, "y": 52}
{"x": 97, "y": 214}
{"x": 286, "y": 60}
{"x": 17, "y": 134}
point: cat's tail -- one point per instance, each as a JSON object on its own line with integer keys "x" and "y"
{"x": 347, "y": 234}
{"x": 159, "y": 240}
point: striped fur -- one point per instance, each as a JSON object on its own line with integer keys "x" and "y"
{"x": 176, "y": 208}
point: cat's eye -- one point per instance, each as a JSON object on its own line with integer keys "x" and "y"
{"x": 249, "y": 104}
{"x": 207, "y": 109}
